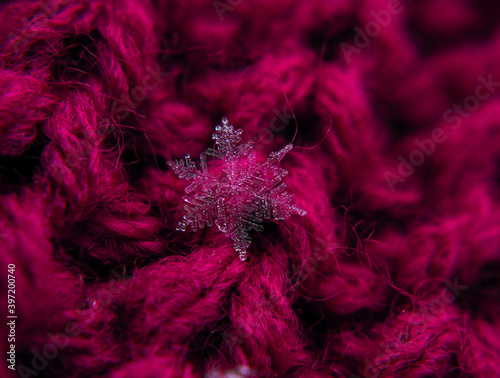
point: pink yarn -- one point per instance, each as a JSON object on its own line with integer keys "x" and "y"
{"x": 393, "y": 109}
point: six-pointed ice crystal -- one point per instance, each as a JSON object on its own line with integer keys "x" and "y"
{"x": 237, "y": 193}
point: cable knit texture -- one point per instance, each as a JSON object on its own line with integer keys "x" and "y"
{"x": 393, "y": 111}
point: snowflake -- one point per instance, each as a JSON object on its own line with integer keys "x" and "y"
{"x": 238, "y": 193}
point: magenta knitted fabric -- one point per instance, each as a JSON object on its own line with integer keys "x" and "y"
{"x": 393, "y": 108}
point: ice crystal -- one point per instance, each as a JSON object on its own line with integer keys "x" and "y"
{"x": 237, "y": 193}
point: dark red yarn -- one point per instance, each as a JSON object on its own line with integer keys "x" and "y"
{"x": 395, "y": 270}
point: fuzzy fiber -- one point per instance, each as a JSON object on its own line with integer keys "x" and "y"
{"x": 393, "y": 108}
